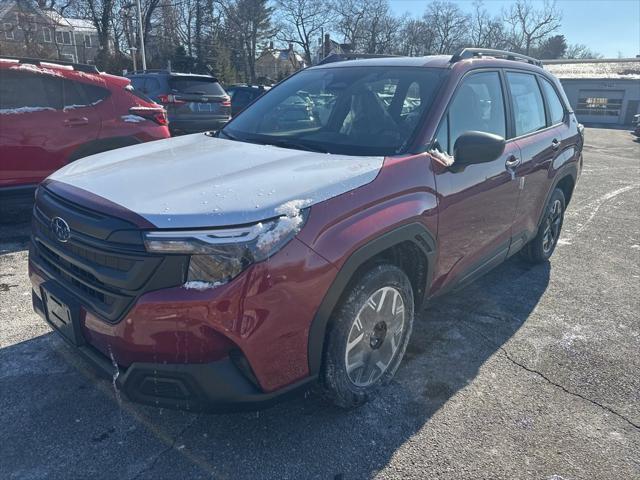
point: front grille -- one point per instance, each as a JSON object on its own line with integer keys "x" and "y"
{"x": 105, "y": 276}
{"x": 60, "y": 267}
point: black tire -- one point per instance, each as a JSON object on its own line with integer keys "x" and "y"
{"x": 384, "y": 280}
{"x": 541, "y": 248}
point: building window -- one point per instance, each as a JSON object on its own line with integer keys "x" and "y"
{"x": 87, "y": 41}
{"x": 68, "y": 57}
{"x": 64, "y": 38}
{"x": 8, "y": 31}
{"x": 46, "y": 33}
{"x": 600, "y": 106}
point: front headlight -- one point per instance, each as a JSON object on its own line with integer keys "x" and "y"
{"x": 219, "y": 255}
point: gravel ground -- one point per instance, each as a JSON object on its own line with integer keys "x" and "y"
{"x": 528, "y": 373}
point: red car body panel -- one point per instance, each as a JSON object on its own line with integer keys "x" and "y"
{"x": 35, "y": 144}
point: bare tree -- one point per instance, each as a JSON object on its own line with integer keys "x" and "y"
{"x": 450, "y": 25}
{"x": 368, "y": 25}
{"x": 486, "y": 31}
{"x": 301, "y": 21}
{"x": 579, "y": 50}
{"x": 101, "y": 13}
{"x": 415, "y": 38}
{"x": 528, "y": 25}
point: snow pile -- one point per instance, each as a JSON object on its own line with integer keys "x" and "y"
{"x": 17, "y": 111}
{"x": 442, "y": 157}
{"x": 132, "y": 118}
{"x": 289, "y": 223}
{"x": 201, "y": 286}
{"x": 73, "y": 107}
{"x": 33, "y": 69}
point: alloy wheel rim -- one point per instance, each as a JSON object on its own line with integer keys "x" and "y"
{"x": 552, "y": 227}
{"x": 375, "y": 336}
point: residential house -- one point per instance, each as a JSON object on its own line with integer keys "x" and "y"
{"x": 327, "y": 47}
{"x": 27, "y": 30}
{"x": 275, "y": 64}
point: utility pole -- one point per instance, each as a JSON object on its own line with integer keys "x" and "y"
{"x": 141, "y": 30}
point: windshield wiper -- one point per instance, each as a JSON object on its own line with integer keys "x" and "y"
{"x": 296, "y": 146}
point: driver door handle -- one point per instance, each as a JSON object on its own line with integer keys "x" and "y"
{"x": 512, "y": 162}
{"x": 76, "y": 122}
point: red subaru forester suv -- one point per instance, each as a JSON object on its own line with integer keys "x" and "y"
{"x": 222, "y": 270}
{"x": 52, "y": 114}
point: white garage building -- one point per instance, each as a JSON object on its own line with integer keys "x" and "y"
{"x": 600, "y": 91}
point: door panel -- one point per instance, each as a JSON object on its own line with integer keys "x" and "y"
{"x": 477, "y": 205}
{"x": 31, "y": 127}
{"x": 43, "y": 119}
{"x": 541, "y": 150}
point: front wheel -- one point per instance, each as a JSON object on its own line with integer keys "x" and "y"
{"x": 368, "y": 336}
{"x": 542, "y": 246}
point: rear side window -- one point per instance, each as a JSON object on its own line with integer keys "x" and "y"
{"x": 196, "y": 85}
{"x": 528, "y": 106}
{"x": 477, "y": 106}
{"x": 556, "y": 110}
{"x": 74, "y": 94}
{"x": 25, "y": 90}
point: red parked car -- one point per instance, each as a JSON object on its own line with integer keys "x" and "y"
{"x": 52, "y": 114}
{"x": 221, "y": 270}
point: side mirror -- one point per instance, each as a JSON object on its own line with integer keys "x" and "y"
{"x": 477, "y": 147}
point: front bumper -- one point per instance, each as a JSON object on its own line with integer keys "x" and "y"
{"x": 218, "y": 386}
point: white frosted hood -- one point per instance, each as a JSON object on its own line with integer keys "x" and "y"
{"x": 199, "y": 181}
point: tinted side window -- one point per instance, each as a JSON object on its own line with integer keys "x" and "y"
{"x": 74, "y": 94}
{"x": 528, "y": 107}
{"x": 95, "y": 93}
{"x": 20, "y": 90}
{"x": 478, "y": 105}
{"x": 556, "y": 110}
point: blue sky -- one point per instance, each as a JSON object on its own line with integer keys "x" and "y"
{"x": 605, "y": 26}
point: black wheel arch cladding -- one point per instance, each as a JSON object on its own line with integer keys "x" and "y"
{"x": 414, "y": 233}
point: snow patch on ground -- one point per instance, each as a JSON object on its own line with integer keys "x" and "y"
{"x": 201, "y": 286}
{"x": 564, "y": 242}
{"x": 132, "y": 118}
{"x": 289, "y": 223}
{"x": 17, "y": 111}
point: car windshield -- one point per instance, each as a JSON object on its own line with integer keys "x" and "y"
{"x": 343, "y": 110}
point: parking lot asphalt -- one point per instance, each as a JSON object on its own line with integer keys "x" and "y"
{"x": 528, "y": 373}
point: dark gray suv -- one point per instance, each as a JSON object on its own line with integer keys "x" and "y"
{"x": 194, "y": 103}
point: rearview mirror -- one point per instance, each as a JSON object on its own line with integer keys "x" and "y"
{"x": 477, "y": 147}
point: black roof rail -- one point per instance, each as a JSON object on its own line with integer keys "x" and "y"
{"x": 465, "y": 53}
{"x": 80, "y": 67}
{"x": 341, "y": 57}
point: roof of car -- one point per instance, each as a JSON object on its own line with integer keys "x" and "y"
{"x": 169, "y": 73}
{"x": 467, "y": 56}
{"x": 437, "y": 61}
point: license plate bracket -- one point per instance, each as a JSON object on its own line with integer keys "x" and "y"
{"x": 62, "y": 312}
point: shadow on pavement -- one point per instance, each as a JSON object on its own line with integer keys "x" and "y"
{"x": 54, "y": 405}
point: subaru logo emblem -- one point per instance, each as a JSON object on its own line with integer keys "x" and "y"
{"x": 60, "y": 229}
